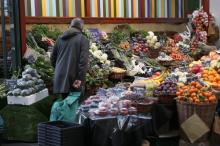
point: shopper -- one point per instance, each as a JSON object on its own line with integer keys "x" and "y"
{"x": 70, "y": 59}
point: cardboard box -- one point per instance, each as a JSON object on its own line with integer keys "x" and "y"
{"x": 28, "y": 100}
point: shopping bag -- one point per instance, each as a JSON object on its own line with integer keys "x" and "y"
{"x": 65, "y": 110}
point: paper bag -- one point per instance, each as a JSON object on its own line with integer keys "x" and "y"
{"x": 216, "y": 126}
{"x": 211, "y": 29}
{"x": 194, "y": 128}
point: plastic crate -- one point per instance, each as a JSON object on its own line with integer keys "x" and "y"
{"x": 59, "y": 133}
{"x": 154, "y": 141}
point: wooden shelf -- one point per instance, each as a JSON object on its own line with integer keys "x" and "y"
{"x": 67, "y": 20}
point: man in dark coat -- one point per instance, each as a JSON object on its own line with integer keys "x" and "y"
{"x": 70, "y": 59}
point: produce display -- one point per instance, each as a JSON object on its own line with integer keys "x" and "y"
{"x": 164, "y": 57}
{"x": 212, "y": 77}
{"x": 154, "y": 65}
{"x": 216, "y": 65}
{"x": 166, "y": 89}
{"x": 114, "y": 101}
{"x": 29, "y": 84}
{"x": 118, "y": 70}
{"x": 44, "y": 68}
{"x": 213, "y": 55}
{"x": 3, "y": 90}
{"x": 195, "y": 93}
{"x": 131, "y": 71}
{"x": 152, "y": 40}
{"x": 196, "y": 67}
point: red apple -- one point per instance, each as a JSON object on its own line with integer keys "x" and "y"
{"x": 196, "y": 69}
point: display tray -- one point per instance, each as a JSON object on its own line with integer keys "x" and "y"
{"x": 28, "y": 100}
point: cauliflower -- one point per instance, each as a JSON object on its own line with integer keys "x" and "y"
{"x": 107, "y": 62}
{"x": 157, "y": 45}
{"x": 94, "y": 47}
{"x": 148, "y": 37}
{"x": 151, "y": 44}
{"x": 97, "y": 53}
{"x": 148, "y": 41}
{"x": 104, "y": 57}
{"x": 150, "y": 33}
{"x": 154, "y": 38}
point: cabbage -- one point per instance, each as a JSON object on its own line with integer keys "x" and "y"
{"x": 16, "y": 92}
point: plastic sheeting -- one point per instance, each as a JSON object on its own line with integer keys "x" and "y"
{"x": 117, "y": 131}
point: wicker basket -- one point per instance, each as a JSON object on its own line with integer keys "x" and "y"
{"x": 153, "y": 53}
{"x": 165, "y": 99}
{"x": 217, "y": 93}
{"x": 205, "y": 111}
{"x": 166, "y": 63}
{"x": 117, "y": 76}
{"x": 143, "y": 108}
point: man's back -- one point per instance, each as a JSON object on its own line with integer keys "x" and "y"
{"x": 71, "y": 50}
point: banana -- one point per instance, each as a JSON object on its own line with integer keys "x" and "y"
{"x": 194, "y": 63}
{"x": 156, "y": 80}
{"x": 162, "y": 76}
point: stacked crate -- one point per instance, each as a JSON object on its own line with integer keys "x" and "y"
{"x": 59, "y": 133}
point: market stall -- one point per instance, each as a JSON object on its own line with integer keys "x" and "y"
{"x": 140, "y": 84}
{"x": 144, "y": 74}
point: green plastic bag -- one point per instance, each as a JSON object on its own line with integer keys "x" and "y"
{"x": 65, "y": 110}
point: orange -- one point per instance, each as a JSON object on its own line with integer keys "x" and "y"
{"x": 214, "y": 83}
{"x": 198, "y": 86}
{"x": 194, "y": 98}
{"x": 178, "y": 93}
{"x": 197, "y": 100}
{"x": 190, "y": 100}
{"x": 205, "y": 71}
{"x": 191, "y": 91}
{"x": 207, "y": 94}
{"x": 218, "y": 78}
{"x": 212, "y": 98}
{"x": 193, "y": 83}
{"x": 204, "y": 75}
{"x": 193, "y": 94}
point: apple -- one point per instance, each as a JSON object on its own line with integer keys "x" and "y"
{"x": 196, "y": 68}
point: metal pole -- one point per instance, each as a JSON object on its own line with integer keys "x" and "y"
{"x": 4, "y": 38}
{"x": 17, "y": 34}
{"x": 12, "y": 34}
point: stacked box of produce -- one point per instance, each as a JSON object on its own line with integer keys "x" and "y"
{"x": 29, "y": 89}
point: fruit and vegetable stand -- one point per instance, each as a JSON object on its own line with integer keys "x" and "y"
{"x": 138, "y": 83}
